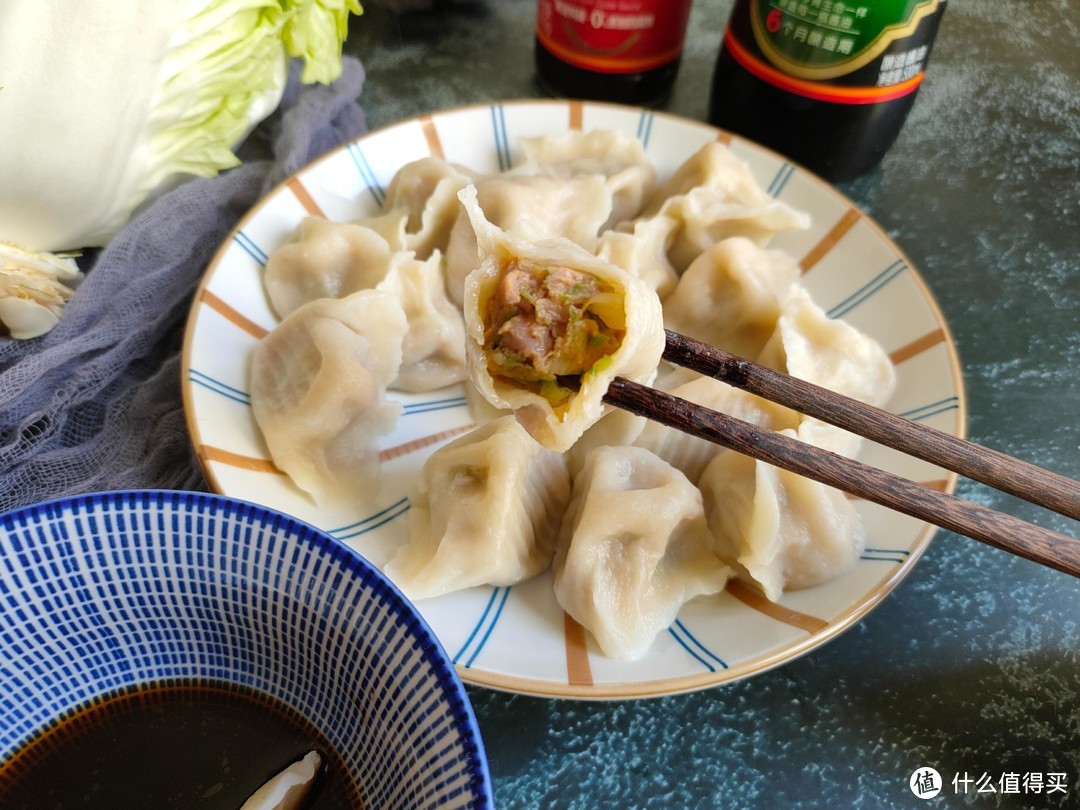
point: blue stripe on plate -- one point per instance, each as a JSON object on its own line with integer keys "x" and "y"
{"x": 250, "y": 248}
{"x": 933, "y": 409}
{"x": 502, "y": 139}
{"x": 498, "y": 594}
{"x": 644, "y": 129}
{"x": 783, "y": 174}
{"x": 893, "y": 555}
{"x": 693, "y": 645}
{"x": 218, "y": 387}
{"x": 491, "y": 626}
{"x": 381, "y": 518}
{"x": 367, "y": 175}
{"x": 434, "y": 405}
{"x": 868, "y": 290}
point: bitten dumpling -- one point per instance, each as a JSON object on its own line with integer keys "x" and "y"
{"x": 778, "y": 529}
{"x": 634, "y": 547}
{"x": 325, "y": 259}
{"x": 536, "y": 313}
{"x": 318, "y": 384}
{"x": 531, "y": 206}
{"x": 485, "y": 511}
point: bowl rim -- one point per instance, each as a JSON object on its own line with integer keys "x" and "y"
{"x": 461, "y": 707}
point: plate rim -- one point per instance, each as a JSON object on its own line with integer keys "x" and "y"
{"x": 637, "y": 689}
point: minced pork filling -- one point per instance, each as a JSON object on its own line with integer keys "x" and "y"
{"x": 549, "y": 322}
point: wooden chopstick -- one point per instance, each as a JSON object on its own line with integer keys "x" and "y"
{"x": 1008, "y": 474}
{"x": 1008, "y": 533}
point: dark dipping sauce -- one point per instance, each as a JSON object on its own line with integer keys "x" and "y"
{"x": 170, "y": 745}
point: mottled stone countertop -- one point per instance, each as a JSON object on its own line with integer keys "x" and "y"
{"x": 972, "y": 665}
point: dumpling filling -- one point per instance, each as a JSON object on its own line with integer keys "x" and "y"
{"x": 544, "y": 323}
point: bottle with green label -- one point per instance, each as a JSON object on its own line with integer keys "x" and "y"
{"x": 825, "y": 82}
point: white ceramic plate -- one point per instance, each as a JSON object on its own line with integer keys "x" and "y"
{"x": 518, "y": 638}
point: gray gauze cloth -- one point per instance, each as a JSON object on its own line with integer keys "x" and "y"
{"x": 95, "y": 404}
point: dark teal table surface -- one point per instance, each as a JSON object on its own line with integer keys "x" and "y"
{"x": 972, "y": 665}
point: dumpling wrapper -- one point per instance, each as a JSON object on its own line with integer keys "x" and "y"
{"x": 730, "y": 296}
{"x": 318, "y": 385}
{"x": 642, "y": 252}
{"x": 712, "y": 196}
{"x": 433, "y": 351}
{"x": 691, "y": 454}
{"x": 778, "y": 529}
{"x": 485, "y": 510}
{"x": 326, "y": 259}
{"x": 832, "y": 353}
{"x": 634, "y": 548}
{"x": 627, "y": 310}
{"x": 425, "y": 190}
{"x": 616, "y": 156}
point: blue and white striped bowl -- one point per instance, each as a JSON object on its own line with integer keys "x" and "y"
{"x": 103, "y": 592}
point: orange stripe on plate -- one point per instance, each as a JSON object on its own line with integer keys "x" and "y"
{"x": 724, "y": 137}
{"x": 755, "y": 599}
{"x": 305, "y": 198}
{"x": 232, "y": 316}
{"x": 917, "y": 347}
{"x": 577, "y": 114}
{"x": 236, "y": 460}
{"x": 578, "y": 671}
{"x": 424, "y": 441}
{"x": 431, "y": 135}
{"x": 829, "y": 240}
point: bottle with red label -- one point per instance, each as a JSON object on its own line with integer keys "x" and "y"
{"x": 828, "y": 83}
{"x": 626, "y": 51}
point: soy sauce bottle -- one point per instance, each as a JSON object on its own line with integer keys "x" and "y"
{"x": 825, "y": 82}
{"x": 626, "y": 51}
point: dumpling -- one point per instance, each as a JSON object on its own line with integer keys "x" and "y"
{"x": 713, "y": 167}
{"x": 534, "y": 207}
{"x": 433, "y": 352}
{"x": 485, "y": 510}
{"x": 634, "y": 547}
{"x": 426, "y": 191}
{"x": 480, "y": 409}
{"x": 810, "y": 345}
{"x": 730, "y": 296}
{"x": 777, "y": 529}
{"x": 325, "y": 259}
{"x": 616, "y": 428}
{"x": 690, "y": 454}
{"x": 642, "y": 252}
{"x": 712, "y": 196}
{"x": 614, "y": 155}
{"x": 537, "y": 313}
{"x": 318, "y": 383}
{"x": 702, "y": 219}
{"x": 390, "y": 225}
